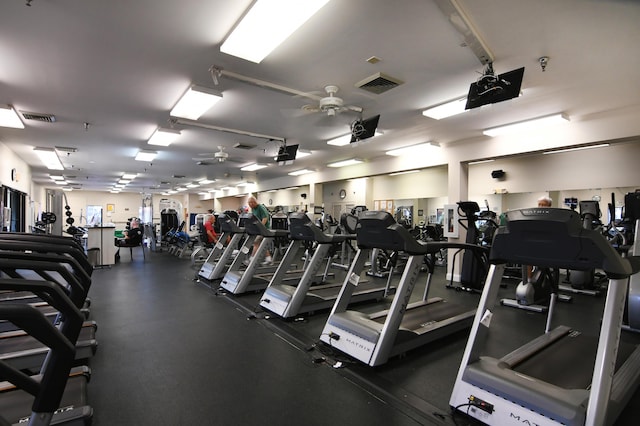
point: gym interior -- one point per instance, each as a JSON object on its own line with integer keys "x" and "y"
{"x": 449, "y": 275}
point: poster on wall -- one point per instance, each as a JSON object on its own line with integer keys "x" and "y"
{"x": 450, "y": 222}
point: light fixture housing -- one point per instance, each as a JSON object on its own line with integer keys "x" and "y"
{"x": 266, "y": 25}
{"x": 346, "y": 139}
{"x": 405, "y": 172}
{"x": 534, "y": 123}
{"x": 163, "y": 137}
{"x": 418, "y": 149}
{"x": 10, "y": 118}
{"x": 49, "y": 157}
{"x": 145, "y": 155}
{"x": 345, "y": 163}
{"x": 577, "y": 148}
{"x": 303, "y": 153}
{"x": 253, "y": 167}
{"x": 447, "y": 109}
{"x": 195, "y": 101}
{"x": 300, "y": 172}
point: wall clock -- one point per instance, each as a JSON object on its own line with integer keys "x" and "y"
{"x": 342, "y": 194}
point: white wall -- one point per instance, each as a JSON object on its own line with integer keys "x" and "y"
{"x": 21, "y": 178}
{"x": 614, "y": 166}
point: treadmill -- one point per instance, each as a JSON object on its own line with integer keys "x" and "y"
{"x": 563, "y": 376}
{"x": 219, "y": 259}
{"x": 290, "y": 298}
{"x": 238, "y": 279}
{"x": 374, "y": 338}
{"x": 58, "y": 394}
{"x": 21, "y": 350}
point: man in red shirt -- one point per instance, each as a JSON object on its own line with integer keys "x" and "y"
{"x": 211, "y": 233}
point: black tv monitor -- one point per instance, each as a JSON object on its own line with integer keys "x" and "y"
{"x": 490, "y": 90}
{"x": 286, "y": 154}
{"x": 364, "y": 129}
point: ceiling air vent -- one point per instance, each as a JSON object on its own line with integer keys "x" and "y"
{"x": 47, "y": 118}
{"x": 378, "y": 83}
{"x": 244, "y": 146}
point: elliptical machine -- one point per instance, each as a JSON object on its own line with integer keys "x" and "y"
{"x": 474, "y": 265}
{"x": 586, "y": 282}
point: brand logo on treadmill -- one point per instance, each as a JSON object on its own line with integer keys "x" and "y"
{"x": 58, "y": 411}
{"x": 357, "y": 344}
{"x": 520, "y": 420}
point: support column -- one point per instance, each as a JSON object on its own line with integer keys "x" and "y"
{"x": 458, "y": 190}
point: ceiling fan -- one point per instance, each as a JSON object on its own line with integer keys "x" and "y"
{"x": 331, "y": 104}
{"x": 219, "y": 156}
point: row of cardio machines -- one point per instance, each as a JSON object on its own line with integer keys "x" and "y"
{"x": 563, "y": 376}
{"x": 45, "y": 337}
{"x": 289, "y": 288}
{"x": 371, "y": 338}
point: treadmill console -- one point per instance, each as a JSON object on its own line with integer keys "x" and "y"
{"x": 554, "y": 238}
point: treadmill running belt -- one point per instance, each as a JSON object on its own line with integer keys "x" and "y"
{"x": 426, "y": 315}
{"x": 569, "y": 362}
{"x": 331, "y": 293}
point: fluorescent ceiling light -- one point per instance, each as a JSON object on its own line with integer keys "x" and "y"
{"x": 203, "y": 193}
{"x": 345, "y": 163}
{"x": 171, "y": 192}
{"x": 67, "y": 189}
{"x": 291, "y": 187}
{"x": 579, "y": 148}
{"x": 129, "y": 176}
{"x": 340, "y": 140}
{"x": 480, "y": 161}
{"x": 253, "y": 167}
{"x": 412, "y": 150}
{"x": 406, "y": 172}
{"x": 113, "y": 191}
{"x": 300, "y": 172}
{"x": 195, "y": 102}
{"x": 225, "y": 188}
{"x": 346, "y": 139}
{"x": 124, "y": 181}
{"x": 193, "y": 185}
{"x": 49, "y": 157}
{"x": 245, "y": 183}
{"x": 118, "y": 185}
{"x": 56, "y": 177}
{"x": 267, "y": 24}
{"x": 534, "y": 123}
{"x": 181, "y": 189}
{"x": 9, "y": 117}
{"x": 146, "y": 155}
{"x": 303, "y": 153}
{"x": 206, "y": 181}
{"x": 446, "y": 109}
{"x": 163, "y": 137}
{"x": 60, "y": 182}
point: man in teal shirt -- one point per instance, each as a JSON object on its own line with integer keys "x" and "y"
{"x": 261, "y": 212}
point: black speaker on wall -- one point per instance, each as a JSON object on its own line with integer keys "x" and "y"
{"x": 497, "y": 174}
